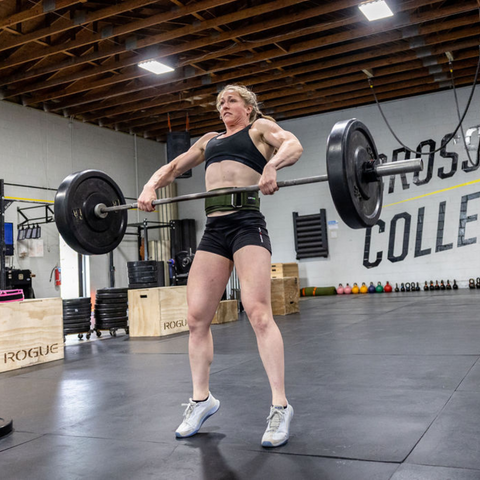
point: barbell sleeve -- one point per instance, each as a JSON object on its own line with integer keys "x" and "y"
{"x": 401, "y": 166}
{"x": 380, "y": 170}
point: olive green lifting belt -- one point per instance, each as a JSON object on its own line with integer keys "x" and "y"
{"x": 234, "y": 201}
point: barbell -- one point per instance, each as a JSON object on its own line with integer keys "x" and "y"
{"x": 91, "y": 213}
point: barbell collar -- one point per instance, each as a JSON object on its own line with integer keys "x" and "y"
{"x": 380, "y": 170}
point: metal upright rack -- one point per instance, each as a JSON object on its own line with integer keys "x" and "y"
{"x": 6, "y": 425}
{"x": 3, "y": 276}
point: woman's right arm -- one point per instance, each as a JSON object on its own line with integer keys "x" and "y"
{"x": 165, "y": 175}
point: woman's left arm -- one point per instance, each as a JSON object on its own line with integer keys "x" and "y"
{"x": 288, "y": 151}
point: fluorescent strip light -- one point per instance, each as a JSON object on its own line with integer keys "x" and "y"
{"x": 375, "y": 9}
{"x": 155, "y": 67}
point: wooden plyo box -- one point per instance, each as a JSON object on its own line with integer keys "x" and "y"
{"x": 227, "y": 311}
{"x": 156, "y": 312}
{"x": 285, "y": 295}
{"x": 281, "y": 270}
{"x": 31, "y": 333}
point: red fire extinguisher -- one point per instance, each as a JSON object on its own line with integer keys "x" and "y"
{"x": 58, "y": 276}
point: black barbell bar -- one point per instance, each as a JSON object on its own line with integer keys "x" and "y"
{"x": 378, "y": 171}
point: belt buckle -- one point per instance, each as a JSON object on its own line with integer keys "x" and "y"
{"x": 233, "y": 203}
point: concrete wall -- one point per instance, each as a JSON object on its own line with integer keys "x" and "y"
{"x": 444, "y": 251}
{"x": 41, "y": 149}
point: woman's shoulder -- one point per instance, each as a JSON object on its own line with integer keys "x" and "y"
{"x": 202, "y": 142}
{"x": 263, "y": 124}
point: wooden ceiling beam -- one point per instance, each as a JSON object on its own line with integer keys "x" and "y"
{"x": 327, "y": 25}
{"x": 355, "y": 34}
{"x": 59, "y": 26}
{"x": 338, "y": 52}
{"x": 214, "y": 125}
{"x": 320, "y": 104}
{"x": 260, "y": 26}
{"x": 175, "y": 104}
{"x": 83, "y": 19}
{"x": 263, "y": 26}
{"x": 162, "y": 37}
{"x": 330, "y": 88}
{"x": 355, "y": 89}
{"x": 252, "y": 29}
{"x": 38, "y": 10}
{"x": 335, "y": 94}
{"x": 310, "y": 70}
{"x": 341, "y": 84}
{"x": 293, "y": 111}
{"x": 265, "y": 83}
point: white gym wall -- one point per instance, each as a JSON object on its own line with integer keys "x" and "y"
{"x": 41, "y": 149}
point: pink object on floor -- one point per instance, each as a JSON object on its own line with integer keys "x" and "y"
{"x": 11, "y": 296}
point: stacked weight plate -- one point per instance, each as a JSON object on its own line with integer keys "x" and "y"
{"x": 145, "y": 274}
{"x": 111, "y": 306}
{"x": 76, "y": 316}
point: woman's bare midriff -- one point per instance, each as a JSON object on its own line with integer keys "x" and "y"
{"x": 229, "y": 174}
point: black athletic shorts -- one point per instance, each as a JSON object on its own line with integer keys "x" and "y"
{"x": 226, "y": 234}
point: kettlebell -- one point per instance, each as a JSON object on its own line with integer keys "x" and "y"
{"x": 417, "y": 288}
{"x": 431, "y": 285}
{"x": 437, "y": 286}
{"x": 442, "y": 285}
{"x": 340, "y": 289}
{"x": 347, "y": 290}
{"x": 455, "y": 286}
{"x": 371, "y": 288}
{"x": 387, "y": 288}
{"x": 379, "y": 288}
{"x": 407, "y": 287}
{"x": 471, "y": 283}
{"x": 478, "y": 282}
{"x": 363, "y": 288}
{"x": 402, "y": 287}
{"x": 396, "y": 288}
{"x": 425, "y": 287}
{"x": 449, "y": 287}
{"x": 355, "y": 289}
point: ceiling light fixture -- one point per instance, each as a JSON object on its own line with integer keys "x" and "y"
{"x": 155, "y": 67}
{"x": 375, "y": 9}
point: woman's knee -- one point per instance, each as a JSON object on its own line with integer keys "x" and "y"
{"x": 260, "y": 317}
{"x": 198, "y": 323}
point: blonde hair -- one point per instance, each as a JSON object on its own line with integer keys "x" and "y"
{"x": 248, "y": 97}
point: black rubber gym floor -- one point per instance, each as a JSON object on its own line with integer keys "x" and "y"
{"x": 384, "y": 387}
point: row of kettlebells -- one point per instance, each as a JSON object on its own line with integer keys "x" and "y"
{"x": 472, "y": 284}
{"x": 404, "y": 287}
{"x": 347, "y": 290}
{"x": 442, "y": 285}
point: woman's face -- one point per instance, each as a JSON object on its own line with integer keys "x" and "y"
{"x": 233, "y": 109}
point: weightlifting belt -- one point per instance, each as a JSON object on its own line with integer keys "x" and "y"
{"x": 232, "y": 201}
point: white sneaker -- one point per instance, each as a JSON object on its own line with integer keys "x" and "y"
{"x": 195, "y": 414}
{"x": 278, "y": 428}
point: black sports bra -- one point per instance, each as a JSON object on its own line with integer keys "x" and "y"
{"x": 238, "y": 147}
